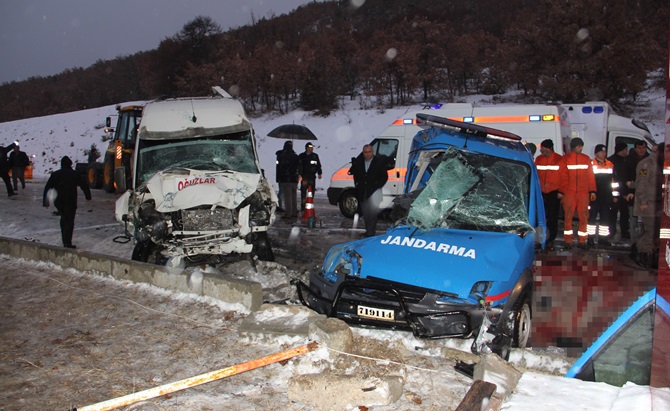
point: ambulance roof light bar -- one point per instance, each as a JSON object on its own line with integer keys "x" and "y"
{"x": 467, "y": 128}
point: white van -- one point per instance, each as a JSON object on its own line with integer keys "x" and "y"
{"x": 534, "y": 123}
{"x": 198, "y": 192}
{"x": 596, "y": 123}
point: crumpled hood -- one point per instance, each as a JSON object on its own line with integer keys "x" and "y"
{"x": 446, "y": 260}
{"x": 176, "y": 190}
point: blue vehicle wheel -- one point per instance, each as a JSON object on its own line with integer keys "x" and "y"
{"x": 522, "y": 324}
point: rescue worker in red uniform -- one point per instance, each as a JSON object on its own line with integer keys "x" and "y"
{"x": 547, "y": 164}
{"x": 599, "y": 213}
{"x": 577, "y": 189}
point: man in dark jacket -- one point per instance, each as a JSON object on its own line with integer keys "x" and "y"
{"x": 4, "y": 168}
{"x": 61, "y": 190}
{"x": 18, "y": 161}
{"x": 620, "y": 208}
{"x": 370, "y": 175}
{"x": 287, "y": 177}
{"x": 309, "y": 166}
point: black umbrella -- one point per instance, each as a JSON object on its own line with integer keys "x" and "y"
{"x": 292, "y": 132}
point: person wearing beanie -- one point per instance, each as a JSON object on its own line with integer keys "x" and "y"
{"x": 548, "y": 164}
{"x": 61, "y": 190}
{"x": 576, "y": 142}
{"x": 577, "y": 189}
{"x": 619, "y": 209}
{"x": 606, "y": 195}
{"x": 309, "y": 166}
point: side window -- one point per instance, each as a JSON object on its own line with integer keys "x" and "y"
{"x": 386, "y": 147}
{"x": 122, "y": 127}
{"x": 629, "y": 141}
{"x": 132, "y": 132}
{"x": 126, "y": 130}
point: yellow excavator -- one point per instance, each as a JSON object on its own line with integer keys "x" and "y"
{"x": 119, "y": 151}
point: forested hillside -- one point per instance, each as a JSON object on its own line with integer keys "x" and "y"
{"x": 397, "y": 51}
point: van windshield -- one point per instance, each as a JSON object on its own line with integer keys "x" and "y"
{"x": 473, "y": 191}
{"x": 230, "y": 152}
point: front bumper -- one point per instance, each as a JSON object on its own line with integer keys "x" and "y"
{"x": 381, "y": 304}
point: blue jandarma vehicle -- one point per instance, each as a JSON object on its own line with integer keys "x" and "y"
{"x": 460, "y": 261}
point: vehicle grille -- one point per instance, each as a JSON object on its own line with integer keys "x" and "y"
{"x": 379, "y": 289}
{"x": 206, "y": 219}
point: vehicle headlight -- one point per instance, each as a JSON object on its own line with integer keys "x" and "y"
{"x": 259, "y": 217}
{"x": 480, "y": 290}
{"x": 341, "y": 261}
{"x": 159, "y": 230}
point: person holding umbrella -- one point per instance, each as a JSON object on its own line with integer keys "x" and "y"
{"x": 287, "y": 177}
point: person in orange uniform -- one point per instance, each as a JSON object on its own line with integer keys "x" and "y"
{"x": 547, "y": 164}
{"x": 606, "y": 195}
{"x": 577, "y": 189}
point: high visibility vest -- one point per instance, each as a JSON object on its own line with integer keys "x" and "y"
{"x": 604, "y": 174}
{"x": 548, "y": 170}
{"x": 576, "y": 172}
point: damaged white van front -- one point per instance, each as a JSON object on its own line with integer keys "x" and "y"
{"x": 198, "y": 191}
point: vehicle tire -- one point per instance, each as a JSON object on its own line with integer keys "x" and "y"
{"x": 93, "y": 176}
{"x": 522, "y": 323}
{"x": 108, "y": 174}
{"x": 262, "y": 247}
{"x": 348, "y": 203}
{"x": 81, "y": 169}
{"x": 149, "y": 252}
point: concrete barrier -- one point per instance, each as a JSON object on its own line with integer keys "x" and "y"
{"x": 247, "y": 293}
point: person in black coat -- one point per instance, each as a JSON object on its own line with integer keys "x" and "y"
{"x": 61, "y": 189}
{"x": 18, "y": 161}
{"x": 287, "y": 177}
{"x": 309, "y": 166}
{"x": 620, "y": 208}
{"x": 370, "y": 175}
{"x": 4, "y": 168}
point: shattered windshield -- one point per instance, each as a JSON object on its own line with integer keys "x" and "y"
{"x": 233, "y": 152}
{"x": 473, "y": 191}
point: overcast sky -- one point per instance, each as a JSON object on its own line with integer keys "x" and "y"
{"x": 45, "y": 37}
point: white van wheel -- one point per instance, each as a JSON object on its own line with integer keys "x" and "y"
{"x": 348, "y": 203}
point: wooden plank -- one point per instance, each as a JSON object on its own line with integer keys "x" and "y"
{"x": 478, "y": 392}
{"x": 200, "y": 379}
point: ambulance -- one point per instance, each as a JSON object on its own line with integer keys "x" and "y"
{"x": 594, "y": 122}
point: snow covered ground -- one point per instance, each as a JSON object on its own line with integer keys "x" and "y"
{"x": 340, "y": 136}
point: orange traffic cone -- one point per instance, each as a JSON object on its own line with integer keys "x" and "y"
{"x": 309, "y": 214}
